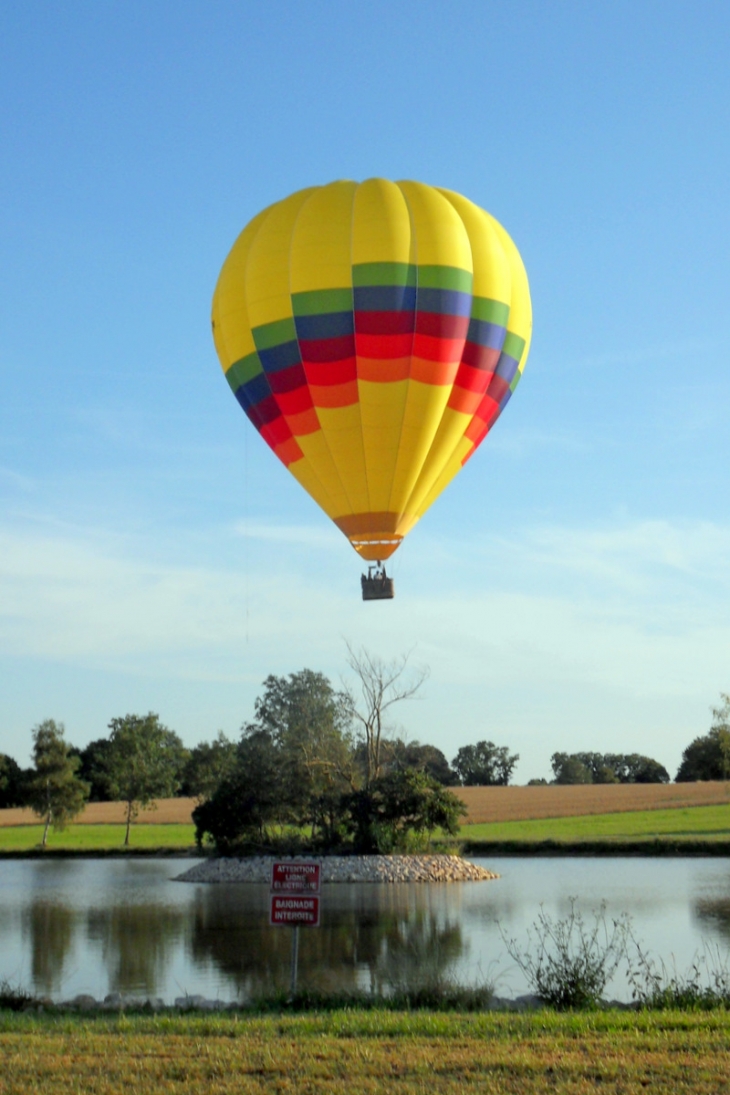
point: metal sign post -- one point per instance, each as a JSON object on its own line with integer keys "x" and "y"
{"x": 295, "y": 888}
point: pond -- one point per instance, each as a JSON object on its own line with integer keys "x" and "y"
{"x": 69, "y": 926}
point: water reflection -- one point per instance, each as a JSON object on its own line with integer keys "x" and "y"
{"x": 713, "y": 915}
{"x": 50, "y": 928}
{"x": 416, "y": 952}
{"x": 91, "y": 925}
{"x": 379, "y": 940}
{"x": 136, "y": 942}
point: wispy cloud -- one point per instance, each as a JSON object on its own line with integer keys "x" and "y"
{"x": 16, "y": 480}
{"x": 305, "y": 535}
{"x": 545, "y": 638}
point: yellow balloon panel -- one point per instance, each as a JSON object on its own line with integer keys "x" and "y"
{"x": 373, "y": 333}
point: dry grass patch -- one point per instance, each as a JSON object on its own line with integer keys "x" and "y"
{"x": 170, "y": 811}
{"x": 494, "y": 804}
{"x": 485, "y": 804}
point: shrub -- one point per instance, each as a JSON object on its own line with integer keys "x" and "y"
{"x": 568, "y": 963}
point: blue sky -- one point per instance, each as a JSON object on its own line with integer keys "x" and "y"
{"x": 571, "y": 589}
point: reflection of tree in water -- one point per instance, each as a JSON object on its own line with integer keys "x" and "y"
{"x": 714, "y": 913}
{"x": 51, "y": 930}
{"x": 398, "y": 939}
{"x": 136, "y": 941}
{"x": 416, "y": 953}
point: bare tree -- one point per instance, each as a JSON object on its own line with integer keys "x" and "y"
{"x": 382, "y": 684}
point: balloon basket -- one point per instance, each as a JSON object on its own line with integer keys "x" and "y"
{"x": 376, "y": 585}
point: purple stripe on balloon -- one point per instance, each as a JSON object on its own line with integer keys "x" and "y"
{"x": 283, "y": 356}
{"x": 486, "y": 334}
{"x": 507, "y": 367}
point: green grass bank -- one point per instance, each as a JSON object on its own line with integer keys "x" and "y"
{"x": 703, "y": 830}
{"x": 365, "y": 1052}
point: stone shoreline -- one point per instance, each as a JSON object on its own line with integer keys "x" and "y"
{"x": 355, "y": 868}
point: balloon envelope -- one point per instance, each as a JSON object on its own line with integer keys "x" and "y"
{"x": 373, "y": 333}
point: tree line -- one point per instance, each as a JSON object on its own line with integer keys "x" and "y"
{"x": 313, "y": 760}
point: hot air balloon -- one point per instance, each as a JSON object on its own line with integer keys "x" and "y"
{"x": 373, "y": 333}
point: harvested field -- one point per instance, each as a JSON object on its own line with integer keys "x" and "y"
{"x": 485, "y": 804}
{"x": 492, "y": 804}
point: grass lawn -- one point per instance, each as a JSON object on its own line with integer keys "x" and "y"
{"x": 690, "y": 823}
{"x": 366, "y": 1052}
{"x": 698, "y": 823}
{"x": 101, "y": 837}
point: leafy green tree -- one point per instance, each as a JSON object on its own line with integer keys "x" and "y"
{"x": 144, "y": 762}
{"x": 93, "y": 768}
{"x": 209, "y": 764}
{"x": 55, "y": 792}
{"x": 13, "y": 783}
{"x": 310, "y": 727}
{"x": 484, "y": 764}
{"x": 398, "y": 807}
{"x": 635, "y": 768}
{"x": 248, "y": 801}
{"x": 708, "y": 757}
{"x": 398, "y": 755}
{"x": 569, "y": 769}
{"x": 607, "y": 768}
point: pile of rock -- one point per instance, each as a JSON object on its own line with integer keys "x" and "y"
{"x": 355, "y": 868}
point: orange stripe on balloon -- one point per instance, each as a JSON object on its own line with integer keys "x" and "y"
{"x": 433, "y": 372}
{"x": 464, "y": 401}
{"x": 288, "y": 451}
{"x": 335, "y": 395}
{"x": 304, "y": 423}
{"x": 383, "y": 372}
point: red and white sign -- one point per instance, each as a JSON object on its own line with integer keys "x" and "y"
{"x": 296, "y": 877}
{"x": 293, "y": 910}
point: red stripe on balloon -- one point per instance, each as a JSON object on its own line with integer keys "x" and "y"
{"x": 440, "y": 326}
{"x": 437, "y": 349}
{"x": 384, "y": 323}
{"x": 480, "y": 357}
{"x": 320, "y": 374}
{"x": 295, "y": 402}
{"x": 472, "y": 380}
{"x": 384, "y": 346}
{"x": 327, "y": 349}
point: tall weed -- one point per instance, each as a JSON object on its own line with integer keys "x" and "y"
{"x": 569, "y": 962}
{"x": 703, "y": 986}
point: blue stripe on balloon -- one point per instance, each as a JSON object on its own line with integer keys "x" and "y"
{"x": 280, "y": 357}
{"x": 253, "y": 391}
{"x": 482, "y": 333}
{"x": 385, "y": 298}
{"x": 446, "y": 302}
{"x": 506, "y": 367}
{"x": 328, "y": 325}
